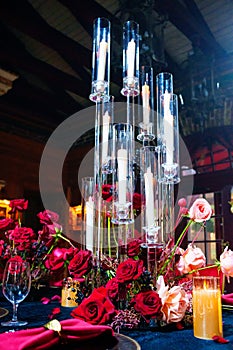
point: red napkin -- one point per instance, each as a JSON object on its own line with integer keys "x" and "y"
{"x": 227, "y": 299}
{"x": 74, "y": 331}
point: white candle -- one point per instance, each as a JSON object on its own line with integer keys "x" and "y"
{"x": 89, "y": 223}
{"x": 105, "y": 132}
{"x": 145, "y": 103}
{"x": 130, "y": 58}
{"x": 149, "y": 193}
{"x": 168, "y": 129}
{"x": 102, "y": 60}
{"x": 122, "y": 175}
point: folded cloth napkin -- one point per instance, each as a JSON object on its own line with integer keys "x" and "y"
{"x": 227, "y": 299}
{"x": 73, "y": 332}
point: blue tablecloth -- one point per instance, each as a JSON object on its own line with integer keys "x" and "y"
{"x": 37, "y": 313}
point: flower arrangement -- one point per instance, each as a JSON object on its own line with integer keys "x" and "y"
{"x": 123, "y": 294}
{"x": 133, "y": 296}
{"x": 50, "y": 253}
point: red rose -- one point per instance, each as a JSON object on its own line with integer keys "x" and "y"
{"x": 15, "y": 264}
{"x": 80, "y": 264}
{"x": 1, "y": 247}
{"x": 16, "y": 258}
{"x": 148, "y": 304}
{"x": 137, "y": 201}
{"x": 6, "y": 224}
{"x": 49, "y": 231}
{"x": 107, "y": 192}
{"x": 134, "y": 247}
{"x": 96, "y": 309}
{"x": 129, "y": 270}
{"x": 200, "y": 210}
{"x": 18, "y": 204}
{"x": 23, "y": 237}
{"x": 112, "y": 288}
{"x": 48, "y": 217}
{"x": 56, "y": 259}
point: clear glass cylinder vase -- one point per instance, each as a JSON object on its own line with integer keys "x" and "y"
{"x": 88, "y": 214}
{"x": 122, "y": 206}
{"x": 130, "y": 59}
{"x": 100, "y": 60}
{"x": 146, "y": 123}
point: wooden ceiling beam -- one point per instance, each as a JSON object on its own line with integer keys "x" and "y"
{"x": 38, "y": 97}
{"x": 13, "y": 54}
{"x": 27, "y": 20}
{"x": 81, "y": 10}
{"x": 190, "y": 26}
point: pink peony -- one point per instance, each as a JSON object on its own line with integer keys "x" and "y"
{"x": 200, "y": 211}
{"x": 226, "y": 263}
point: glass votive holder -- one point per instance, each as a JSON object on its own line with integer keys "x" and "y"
{"x": 207, "y": 307}
{"x": 70, "y": 288}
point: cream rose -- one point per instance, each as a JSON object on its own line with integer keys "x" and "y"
{"x": 193, "y": 259}
{"x": 226, "y": 263}
{"x": 174, "y": 301}
{"x": 200, "y": 210}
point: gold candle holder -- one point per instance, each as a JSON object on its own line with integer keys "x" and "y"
{"x": 69, "y": 292}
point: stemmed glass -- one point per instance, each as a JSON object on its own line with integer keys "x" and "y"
{"x": 16, "y": 285}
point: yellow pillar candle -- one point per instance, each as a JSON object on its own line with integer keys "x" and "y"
{"x": 207, "y": 308}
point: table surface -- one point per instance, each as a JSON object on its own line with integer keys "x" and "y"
{"x": 37, "y": 313}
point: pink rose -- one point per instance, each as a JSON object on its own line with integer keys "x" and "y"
{"x": 192, "y": 259}
{"x": 226, "y": 263}
{"x": 200, "y": 210}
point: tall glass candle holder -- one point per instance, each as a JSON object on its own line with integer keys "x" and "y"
{"x": 122, "y": 208}
{"x": 130, "y": 59}
{"x": 105, "y": 134}
{"x": 170, "y": 172}
{"x": 100, "y": 60}
{"x": 149, "y": 192}
{"x": 146, "y": 126}
{"x": 88, "y": 213}
{"x": 164, "y": 82}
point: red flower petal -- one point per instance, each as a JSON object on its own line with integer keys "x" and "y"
{"x": 219, "y": 339}
{"x": 45, "y": 300}
{"x": 56, "y": 311}
{"x": 56, "y": 298}
{"x": 179, "y": 326}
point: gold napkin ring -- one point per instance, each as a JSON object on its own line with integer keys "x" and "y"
{"x": 55, "y": 326}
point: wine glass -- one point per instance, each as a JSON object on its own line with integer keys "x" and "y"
{"x": 16, "y": 285}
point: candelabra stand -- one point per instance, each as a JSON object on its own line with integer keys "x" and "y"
{"x": 115, "y": 151}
